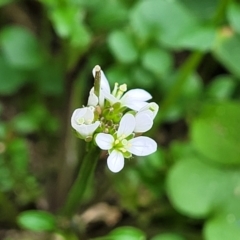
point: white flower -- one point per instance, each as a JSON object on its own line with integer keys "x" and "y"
{"x": 93, "y": 100}
{"x": 83, "y": 121}
{"x": 144, "y": 118}
{"x": 134, "y": 99}
{"x": 122, "y": 144}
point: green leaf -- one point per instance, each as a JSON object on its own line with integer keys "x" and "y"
{"x": 167, "y": 236}
{"x": 163, "y": 20}
{"x": 157, "y": 60}
{"x": 113, "y": 9}
{"x": 201, "y": 38}
{"x": 11, "y": 79}
{"x": 127, "y": 233}
{"x": 118, "y": 74}
{"x": 188, "y": 181}
{"x": 142, "y": 78}
{"x": 21, "y": 48}
{"x": 222, "y": 227}
{"x": 49, "y": 78}
{"x": 227, "y": 51}
{"x": 233, "y": 14}
{"x": 122, "y": 47}
{"x": 221, "y": 88}
{"x": 35, "y": 220}
{"x": 4, "y": 2}
{"x": 216, "y": 134}
{"x": 204, "y": 6}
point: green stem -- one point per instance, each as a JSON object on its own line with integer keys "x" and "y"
{"x": 82, "y": 181}
{"x": 187, "y": 68}
{"x": 220, "y": 11}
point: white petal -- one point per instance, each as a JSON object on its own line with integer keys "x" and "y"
{"x": 152, "y": 107}
{"x": 92, "y": 99}
{"x": 77, "y": 114}
{"x": 104, "y": 141}
{"x": 136, "y": 95}
{"x": 135, "y": 105}
{"x": 115, "y": 161}
{"x": 142, "y": 146}
{"x": 89, "y": 115}
{"x": 110, "y": 97}
{"x": 104, "y": 82}
{"x": 87, "y": 130}
{"x": 144, "y": 122}
{"x": 126, "y": 126}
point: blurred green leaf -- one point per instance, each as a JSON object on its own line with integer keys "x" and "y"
{"x": 188, "y": 181}
{"x": 35, "y": 220}
{"x": 201, "y": 38}
{"x": 142, "y": 78}
{"x": 113, "y": 9}
{"x": 222, "y": 227}
{"x": 50, "y": 78}
{"x": 163, "y": 20}
{"x": 4, "y": 2}
{"x": 216, "y": 134}
{"x": 227, "y": 50}
{"x": 21, "y": 48}
{"x": 189, "y": 95}
{"x": 118, "y": 74}
{"x": 234, "y": 15}
{"x": 11, "y": 79}
{"x": 122, "y": 46}
{"x": 18, "y": 151}
{"x": 167, "y": 236}
{"x": 204, "y": 6}
{"x": 127, "y": 233}
{"x": 25, "y": 123}
{"x": 157, "y": 60}
{"x": 221, "y": 88}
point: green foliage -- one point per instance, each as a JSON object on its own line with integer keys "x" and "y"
{"x": 36, "y": 220}
{"x": 216, "y": 134}
{"x": 125, "y": 233}
{"x": 21, "y": 48}
{"x": 167, "y": 236}
{"x": 185, "y": 53}
{"x": 122, "y": 47}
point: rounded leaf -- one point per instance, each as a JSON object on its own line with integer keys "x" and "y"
{"x": 188, "y": 181}
{"x": 222, "y": 227}
{"x": 35, "y": 220}
{"x": 122, "y": 47}
{"x": 216, "y": 133}
{"x": 127, "y": 233}
{"x": 21, "y": 48}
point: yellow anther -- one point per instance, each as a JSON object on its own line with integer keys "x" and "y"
{"x": 80, "y": 121}
{"x": 114, "y": 92}
{"x": 123, "y": 87}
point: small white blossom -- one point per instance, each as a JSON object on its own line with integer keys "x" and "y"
{"x": 93, "y": 100}
{"x": 145, "y": 116}
{"x": 134, "y": 99}
{"x": 122, "y": 144}
{"x": 83, "y": 121}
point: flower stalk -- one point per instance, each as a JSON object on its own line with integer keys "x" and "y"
{"x": 85, "y": 174}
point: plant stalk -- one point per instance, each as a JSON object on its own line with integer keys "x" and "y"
{"x": 85, "y": 174}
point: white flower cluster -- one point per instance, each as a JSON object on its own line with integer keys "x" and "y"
{"x": 115, "y": 120}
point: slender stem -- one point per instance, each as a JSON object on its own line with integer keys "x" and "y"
{"x": 81, "y": 183}
{"x": 220, "y": 11}
{"x": 187, "y": 68}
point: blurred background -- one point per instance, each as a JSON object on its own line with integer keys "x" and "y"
{"x": 185, "y": 53}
